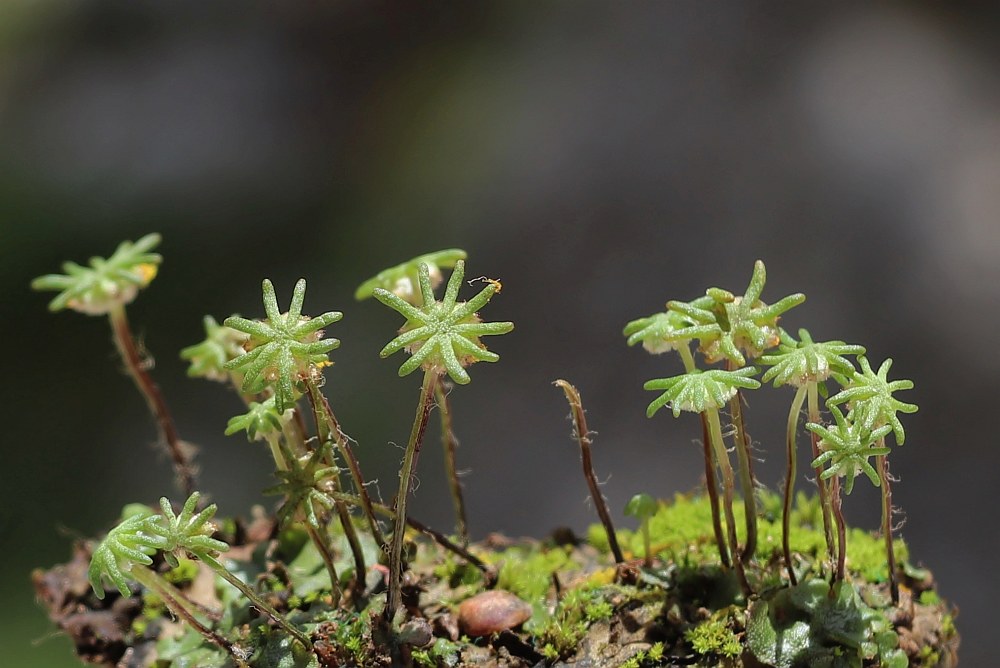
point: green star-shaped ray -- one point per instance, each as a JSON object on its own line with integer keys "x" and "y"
{"x": 799, "y": 363}
{"x": 284, "y": 346}
{"x": 402, "y": 280}
{"x": 699, "y": 390}
{"x": 443, "y": 334}
{"x": 731, "y": 326}
{"x": 869, "y": 395}
{"x": 187, "y": 532}
{"x": 128, "y": 544}
{"x": 208, "y": 358}
{"x": 846, "y": 447}
{"x": 106, "y": 283}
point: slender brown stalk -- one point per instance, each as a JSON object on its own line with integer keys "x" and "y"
{"x": 583, "y": 438}
{"x": 179, "y": 451}
{"x": 747, "y": 480}
{"x": 728, "y": 489}
{"x": 713, "y": 493}
{"x": 346, "y": 522}
{"x": 790, "y": 471}
{"x": 711, "y": 483}
{"x": 821, "y": 484}
{"x": 394, "y": 597}
{"x": 323, "y": 548}
{"x": 443, "y": 541}
{"x": 890, "y": 552}
{"x": 344, "y": 446}
{"x": 449, "y": 443}
{"x": 838, "y": 516}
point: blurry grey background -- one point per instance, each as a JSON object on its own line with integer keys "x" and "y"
{"x": 599, "y": 158}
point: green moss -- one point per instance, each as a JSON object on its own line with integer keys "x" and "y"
{"x": 558, "y": 635}
{"x": 714, "y": 638}
{"x": 442, "y": 652}
{"x": 648, "y": 658}
{"x": 528, "y": 572}
{"x": 866, "y": 555}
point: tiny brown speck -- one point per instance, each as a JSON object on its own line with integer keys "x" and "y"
{"x": 492, "y": 612}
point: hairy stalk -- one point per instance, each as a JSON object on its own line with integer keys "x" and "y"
{"x": 325, "y": 434}
{"x": 747, "y": 480}
{"x": 323, "y": 547}
{"x": 357, "y": 478}
{"x": 126, "y": 345}
{"x": 358, "y": 586}
{"x": 838, "y": 516}
{"x": 394, "y": 598}
{"x": 183, "y": 608}
{"x": 712, "y": 485}
{"x": 824, "y": 488}
{"x": 882, "y": 462}
{"x": 583, "y": 438}
{"x": 449, "y": 443}
{"x": 257, "y": 601}
{"x": 790, "y": 471}
{"x": 283, "y": 455}
{"x": 728, "y": 488}
{"x": 710, "y": 482}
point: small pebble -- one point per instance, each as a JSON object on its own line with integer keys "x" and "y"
{"x": 492, "y": 612}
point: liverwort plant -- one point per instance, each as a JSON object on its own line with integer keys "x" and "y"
{"x": 403, "y": 281}
{"x": 735, "y": 328}
{"x": 441, "y": 337}
{"x": 805, "y": 365}
{"x": 706, "y": 392}
{"x": 845, "y": 448}
{"x": 283, "y": 348}
{"x": 284, "y": 357}
{"x": 132, "y": 542}
{"x": 869, "y": 396}
{"x": 104, "y": 288}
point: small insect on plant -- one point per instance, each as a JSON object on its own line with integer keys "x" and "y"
{"x": 333, "y": 575}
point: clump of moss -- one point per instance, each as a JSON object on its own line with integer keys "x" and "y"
{"x": 714, "y": 637}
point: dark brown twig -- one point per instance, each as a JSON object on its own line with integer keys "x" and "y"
{"x": 178, "y": 450}
{"x": 583, "y": 437}
{"x": 450, "y": 444}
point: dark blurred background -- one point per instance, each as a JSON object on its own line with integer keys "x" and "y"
{"x": 599, "y": 158}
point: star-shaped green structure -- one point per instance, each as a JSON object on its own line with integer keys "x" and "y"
{"x": 107, "y": 283}
{"x": 260, "y": 421}
{"x": 306, "y": 485}
{"x": 402, "y": 280}
{"x": 731, "y": 326}
{"x": 208, "y": 358}
{"x": 846, "y": 447}
{"x": 667, "y": 330}
{"x": 869, "y": 396}
{"x": 699, "y": 390}
{"x": 128, "y": 544}
{"x": 186, "y": 532}
{"x": 443, "y": 335}
{"x": 799, "y": 363}
{"x": 282, "y": 348}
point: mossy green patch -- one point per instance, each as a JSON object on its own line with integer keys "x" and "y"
{"x": 714, "y": 638}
